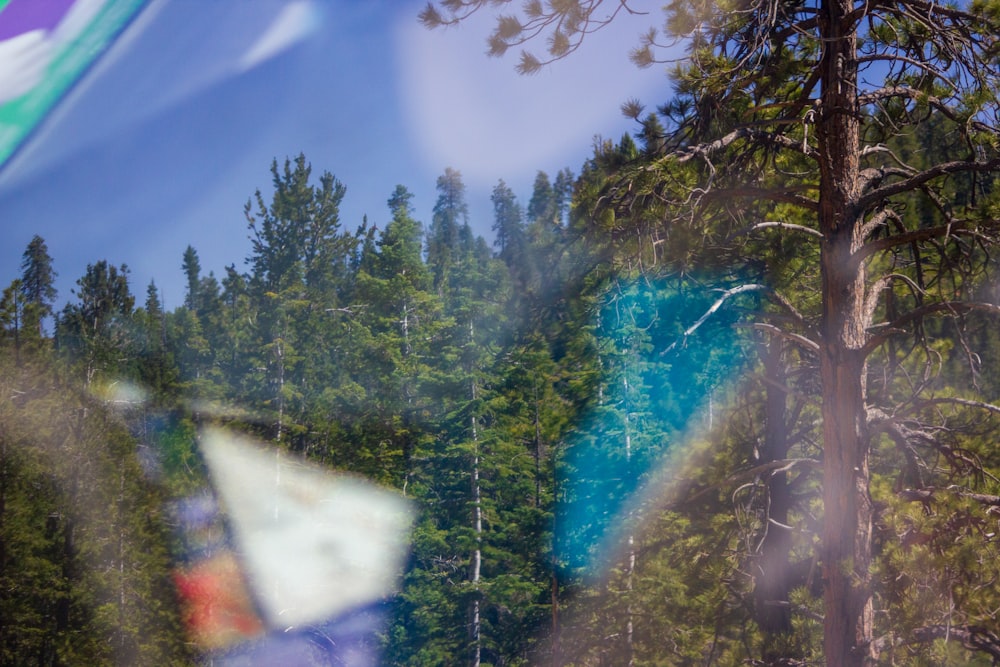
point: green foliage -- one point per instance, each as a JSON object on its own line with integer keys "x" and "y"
{"x": 94, "y": 332}
{"x": 611, "y": 426}
{"x": 449, "y": 231}
{"x": 83, "y": 560}
{"x": 806, "y": 146}
{"x": 38, "y": 282}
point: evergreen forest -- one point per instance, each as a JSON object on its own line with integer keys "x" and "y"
{"x": 729, "y": 395}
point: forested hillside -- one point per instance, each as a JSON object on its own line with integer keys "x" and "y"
{"x": 602, "y": 452}
{"x": 727, "y": 396}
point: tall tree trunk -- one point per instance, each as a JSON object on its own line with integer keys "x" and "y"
{"x": 279, "y": 352}
{"x": 553, "y": 563}
{"x": 477, "y": 556}
{"x": 773, "y": 582}
{"x": 537, "y": 450}
{"x": 629, "y": 660}
{"x": 554, "y": 593}
{"x": 847, "y": 527}
{"x": 477, "y": 524}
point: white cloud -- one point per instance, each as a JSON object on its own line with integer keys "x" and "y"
{"x": 291, "y": 26}
{"x": 478, "y": 115}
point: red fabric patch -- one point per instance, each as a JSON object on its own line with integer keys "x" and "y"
{"x": 217, "y": 609}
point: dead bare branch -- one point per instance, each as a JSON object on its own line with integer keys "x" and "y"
{"x": 914, "y": 182}
{"x": 726, "y": 294}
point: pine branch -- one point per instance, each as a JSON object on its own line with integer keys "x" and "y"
{"x": 972, "y": 637}
{"x": 806, "y": 343}
{"x": 950, "y": 307}
{"x": 914, "y": 182}
{"x": 915, "y": 236}
{"x": 927, "y": 493}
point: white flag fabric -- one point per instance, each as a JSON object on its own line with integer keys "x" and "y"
{"x": 315, "y": 543}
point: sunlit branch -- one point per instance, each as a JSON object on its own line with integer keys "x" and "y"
{"x": 799, "y": 339}
{"x": 704, "y": 150}
{"x": 878, "y": 219}
{"x": 883, "y": 283}
{"x": 786, "y": 225}
{"x": 799, "y": 146}
{"x": 726, "y": 294}
{"x": 569, "y": 26}
{"x": 876, "y": 176}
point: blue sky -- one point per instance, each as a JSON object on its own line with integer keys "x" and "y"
{"x": 162, "y": 143}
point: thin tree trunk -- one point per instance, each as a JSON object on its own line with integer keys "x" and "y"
{"x": 630, "y": 540}
{"x": 477, "y": 525}
{"x": 405, "y": 323}
{"x": 556, "y": 648}
{"x": 121, "y": 562}
{"x": 538, "y": 451}
{"x": 477, "y": 557}
{"x": 280, "y": 352}
{"x": 18, "y": 306}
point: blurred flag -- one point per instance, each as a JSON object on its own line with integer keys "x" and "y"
{"x": 46, "y": 46}
{"x": 286, "y": 563}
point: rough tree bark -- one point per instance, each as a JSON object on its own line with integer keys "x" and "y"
{"x": 847, "y": 514}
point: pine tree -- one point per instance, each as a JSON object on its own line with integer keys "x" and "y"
{"x": 784, "y": 114}
{"x": 156, "y": 370}
{"x": 402, "y": 317}
{"x": 545, "y": 240}
{"x": 508, "y": 226}
{"x": 12, "y": 316}
{"x": 562, "y": 190}
{"x": 83, "y": 562}
{"x": 510, "y": 240}
{"x": 96, "y": 331}
{"x": 449, "y": 225}
{"x": 38, "y": 282}
{"x": 192, "y": 273}
{"x": 542, "y": 206}
{"x": 300, "y": 276}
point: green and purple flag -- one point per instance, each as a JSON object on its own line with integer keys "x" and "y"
{"x": 46, "y": 46}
